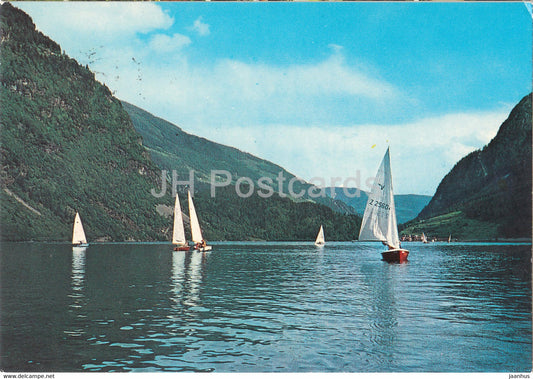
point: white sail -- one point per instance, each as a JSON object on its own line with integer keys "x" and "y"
{"x": 195, "y": 225}
{"x": 424, "y": 238}
{"x": 320, "y": 240}
{"x": 78, "y": 235}
{"x": 449, "y": 238}
{"x": 178, "y": 234}
{"x": 379, "y": 220}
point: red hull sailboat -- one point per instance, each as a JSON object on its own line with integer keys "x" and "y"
{"x": 182, "y": 248}
{"x": 395, "y": 255}
{"x": 379, "y": 219}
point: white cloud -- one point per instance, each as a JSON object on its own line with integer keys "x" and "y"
{"x": 201, "y": 27}
{"x": 244, "y": 93}
{"x": 95, "y": 18}
{"x": 329, "y": 77}
{"x": 163, "y": 43}
{"x": 422, "y": 152}
{"x": 104, "y": 35}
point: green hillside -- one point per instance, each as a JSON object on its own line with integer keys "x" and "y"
{"x": 173, "y": 149}
{"x": 455, "y": 224}
{"x": 491, "y": 186}
{"x": 228, "y": 217}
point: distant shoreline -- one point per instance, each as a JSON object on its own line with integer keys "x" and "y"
{"x": 499, "y": 240}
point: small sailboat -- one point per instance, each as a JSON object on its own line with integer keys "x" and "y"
{"x": 449, "y": 238}
{"x": 320, "y": 240}
{"x": 199, "y": 243}
{"x": 424, "y": 238}
{"x": 379, "y": 219}
{"x": 178, "y": 233}
{"x": 78, "y": 235}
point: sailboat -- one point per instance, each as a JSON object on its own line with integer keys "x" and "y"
{"x": 78, "y": 235}
{"x": 449, "y": 238}
{"x": 199, "y": 243}
{"x": 320, "y": 240}
{"x": 424, "y": 238}
{"x": 178, "y": 233}
{"x": 379, "y": 219}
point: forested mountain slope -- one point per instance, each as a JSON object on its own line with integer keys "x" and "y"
{"x": 492, "y": 185}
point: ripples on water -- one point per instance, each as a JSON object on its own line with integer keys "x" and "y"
{"x": 266, "y": 307}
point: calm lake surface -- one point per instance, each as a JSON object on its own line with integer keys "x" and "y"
{"x": 265, "y": 307}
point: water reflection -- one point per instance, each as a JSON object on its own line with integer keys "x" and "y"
{"x": 78, "y": 267}
{"x": 382, "y": 285}
{"x": 186, "y": 278}
{"x": 77, "y": 276}
{"x": 195, "y": 279}
{"x": 178, "y": 275}
{"x": 77, "y": 295}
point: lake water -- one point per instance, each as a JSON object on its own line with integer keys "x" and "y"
{"x": 265, "y": 307}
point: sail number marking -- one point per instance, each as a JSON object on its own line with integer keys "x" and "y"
{"x": 379, "y": 204}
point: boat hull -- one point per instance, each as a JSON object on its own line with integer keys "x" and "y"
{"x": 395, "y": 255}
{"x": 182, "y": 248}
{"x": 80, "y": 245}
{"x": 205, "y": 248}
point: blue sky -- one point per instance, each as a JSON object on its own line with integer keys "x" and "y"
{"x": 319, "y": 88}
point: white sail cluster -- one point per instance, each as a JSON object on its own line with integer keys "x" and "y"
{"x": 378, "y": 224}
{"x": 178, "y": 234}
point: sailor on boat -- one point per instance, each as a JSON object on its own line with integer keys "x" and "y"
{"x": 200, "y": 245}
{"x": 390, "y": 247}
